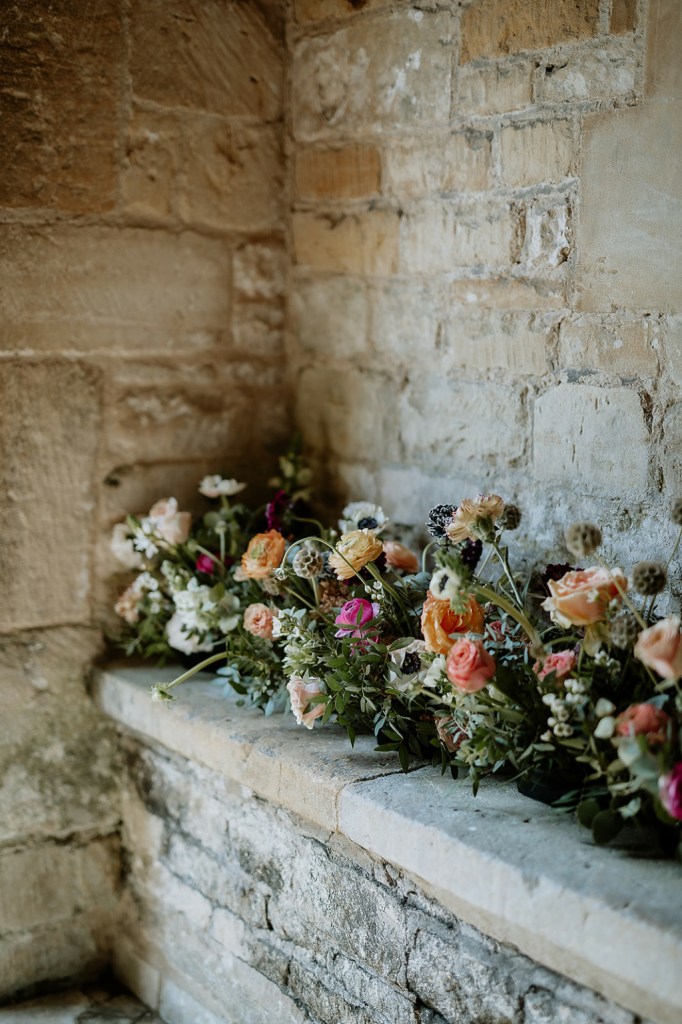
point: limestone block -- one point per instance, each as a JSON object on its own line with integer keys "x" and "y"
{"x": 48, "y": 467}
{"x": 507, "y": 293}
{"x": 224, "y": 58}
{"x": 258, "y": 272}
{"x": 407, "y": 320}
{"x": 457, "y": 162}
{"x": 630, "y": 163}
{"x": 673, "y": 347}
{"x": 407, "y": 493}
{"x": 372, "y": 74}
{"x": 662, "y": 66}
{"x": 258, "y": 333}
{"x": 331, "y": 317}
{"x": 671, "y": 455}
{"x": 60, "y": 72}
{"x": 494, "y": 88}
{"x": 327, "y": 1000}
{"x": 37, "y": 887}
{"x": 612, "y": 344}
{"x": 442, "y": 236}
{"x": 358, "y": 243}
{"x": 624, "y": 16}
{"x": 539, "y": 152}
{"x": 605, "y": 73}
{"x": 132, "y": 969}
{"x": 493, "y": 27}
{"x": 178, "y": 1005}
{"x": 155, "y": 156}
{"x": 593, "y": 439}
{"x": 338, "y": 173}
{"x": 108, "y": 290}
{"x": 547, "y": 223}
{"x": 515, "y": 343}
{"x": 316, "y": 10}
{"x": 65, "y": 949}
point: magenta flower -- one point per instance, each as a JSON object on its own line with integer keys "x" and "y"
{"x": 670, "y": 791}
{"x": 205, "y": 564}
{"x": 354, "y": 617}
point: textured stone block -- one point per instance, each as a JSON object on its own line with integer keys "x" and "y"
{"x": 372, "y": 74}
{"x": 65, "y": 949}
{"x": 515, "y": 343}
{"x": 540, "y": 152}
{"x": 258, "y": 272}
{"x": 608, "y": 73}
{"x": 617, "y": 346}
{"x": 61, "y": 68}
{"x": 492, "y": 27}
{"x": 436, "y": 237}
{"x": 317, "y": 10}
{"x": 339, "y": 410}
{"x": 338, "y": 173}
{"x": 407, "y": 320}
{"x": 494, "y": 88}
{"x": 662, "y": 66}
{"x": 331, "y": 317}
{"x": 207, "y": 56}
{"x": 624, "y": 15}
{"x": 457, "y": 162}
{"x": 671, "y": 455}
{"x": 579, "y": 436}
{"x": 155, "y": 156}
{"x": 357, "y": 243}
{"x": 547, "y": 225}
{"x": 507, "y": 293}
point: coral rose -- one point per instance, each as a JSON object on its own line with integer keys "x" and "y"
{"x": 258, "y": 620}
{"x": 581, "y": 597}
{"x": 670, "y": 791}
{"x": 561, "y": 663}
{"x": 439, "y": 622}
{"x": 469, "y": 666}
{"x": 171, "y": 525}
{"x": 353, "y": 551}
{"x": 660, "y": 647}
{"x": 301, "y": 689}
{"x": 643, "y": 720}
{"x": 264, "y": 553}
{"x": 485, "y": 506}
{"x": 400, "y": 557}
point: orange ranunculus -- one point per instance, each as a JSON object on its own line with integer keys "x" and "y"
{"x": 264, "y": 553}
{"x": 439, "y": 622}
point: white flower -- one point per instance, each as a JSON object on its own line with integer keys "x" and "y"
{"x": 362, "y": 515}
{"x": 412, "y": 670}
{"x": 122, "y": 547}
{"x": 446, "y": 585}
{"x": 178, "y": 637}
{"x": 216, "y": 486}
{"x": 142, "y": 538}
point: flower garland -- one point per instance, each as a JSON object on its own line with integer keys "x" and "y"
{"x": 566, "y": 679}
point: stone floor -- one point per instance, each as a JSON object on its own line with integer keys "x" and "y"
{"x": 91, "y": 1004}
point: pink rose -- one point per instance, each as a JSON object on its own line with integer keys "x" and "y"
{"x": 469, "y": 666}
{"x": 354, "y": 616}
{"x": 670, "y": 791}
{"x": 205, "y": 564}
{"x": 301, "y": 689}
{"x": 258, "y": 620}
{"x": 660, "y": 647}
{"x": 171, "y": 525}
{"x": 561, "y": 663}
{"x": 643, "y": 720}
{"x": 400, "y": 557}
{"x": 450, "y": 733}
{"x": 581, "y": 597}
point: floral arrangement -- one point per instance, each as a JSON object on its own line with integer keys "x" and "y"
{"x": 566, "y": 679}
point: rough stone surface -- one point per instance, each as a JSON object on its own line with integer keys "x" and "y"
{"x": 338, "y": 173}
{"x": 492, "y": 27}
{"x": 95, "y": 1004}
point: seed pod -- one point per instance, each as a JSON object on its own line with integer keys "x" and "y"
{"x": 511, "y": 517}
{"x": 649, "y": 578}
{"x": 676, "y": 512}
{"x": 582, "y": 539}
{"x": 624, "y": 630}
{"x": 308, "y": 563}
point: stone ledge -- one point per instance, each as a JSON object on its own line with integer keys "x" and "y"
{"x": 508, "y": 865}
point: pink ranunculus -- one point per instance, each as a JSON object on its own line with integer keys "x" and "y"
{"x": 660, "y": 647}
{"x": 561, "y": 663}
{"x": 469, "y": 666}
{"x": 400, "y": 557}
{"x": 643, "y": 720}
{"x": 354, "y": 617}
{"x": 205, "y": 564}
{"x": 258, "y": 620}
{"x": 581, "y": 597}
{"x": 171, "y": 525}
{"x": 301, "y": 689}
{"x": 670, "y": 791}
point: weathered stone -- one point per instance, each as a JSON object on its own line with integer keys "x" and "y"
{"x": 671, "y": 455}
{"x": 547, "y": 235}
{"x": 356, "y": 243}
{"x": 60, "y": 72}
{"x": 407, "y": 320}
{"x": 507, "y": 293}
{"x": 510, "y": 342}
{"x": 155, "y": 156}
{"x": 317, "y": 10}
{"x": 494, "y": 88}
{"x": 578, "y": 436}
{"x": 457, "y": 162}
{"x": 372, "y": 74}
{"x": 607, "y": 73}
{"x": 258, "y": 272}
{"x": 539, "y": 152}
{"x": 66, "y": 949}
{"x": 612, "y": 344}
{"x": 493, "y": 27}
{"x": 440, "y": 236}
{"x": 663, "y": 73}
{"x": 223, "y": 58}
{"x": 624, "y": 15}
{"x": 338, "y": 173}
{"x": 331, "y": 317}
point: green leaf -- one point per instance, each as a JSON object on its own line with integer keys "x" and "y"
{"x": 404, "y": 757}
{"x": 605, "y": 826}
{"x": 587, "y": 810}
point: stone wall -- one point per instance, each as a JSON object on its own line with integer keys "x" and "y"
{"x": 486, "y": 235}
{"x": 141, "y": 252}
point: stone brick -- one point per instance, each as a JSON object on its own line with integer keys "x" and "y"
{"x": 223, "y": 58}
{"x": 338, "y": 173}
{"x": 624, "y": 15}
{"x": 540, "y": 152}
{"x": 258, "y": 332}
{"x": 60, "y": 72}
{"x": 372, "y": 74}
{"x": 107, "y": 290}
{"x": 673, "y": 346}
{"x": 662, "y": 66}
{"x": 609, "y": 344}
{"x": 407, "y": 320}
{"x": 593, "y": 437}
{"x": 606, "y": 73}
{"x": 671, "y": 454}
{"x": 494, "y": 88}
{"x": 155, "y": 156}
{"x": 548, "y": 235}
{"x": 442, "y": 236}
{"x": 492, "y": 27}
{"x": 258, "y": 272}
{"x": 486, "y": 342}
{"x": 630, "y": 163}
{"x": 66, "y": 949}
{"x": 331, "y": 317}
{"x": 37, "y": 886}
{"x": 176, "y": 1004}
{"x": 507, "y": 293}
{"x": 317, "y": 10}
{"x": 233, "y": 177}
{"x": 458, "y": 162}
{"x": 357, "y": 243}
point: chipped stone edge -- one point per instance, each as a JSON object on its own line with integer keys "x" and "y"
{"x": 628, "y": 960}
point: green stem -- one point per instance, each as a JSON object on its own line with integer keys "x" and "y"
{"x": 624, "y": 596}
{"x": 504, "y": 562}
{"x": 315, "y": 522}
{"x": 507, "y": 606}
{"x": 674, "y": 550}
{"x": 426, "y": 551}
{"x": 197, "y": 668}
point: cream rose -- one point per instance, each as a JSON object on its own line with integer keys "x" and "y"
{"x": 468, "y": 512}
{"x": 171, "y": 525}
{"x": 353, "y": 551}
{"x": 581, "y": 597}
{"x": 258, "y": 620}
{"x": 660, "y": 647}
{"x": 301, "y": 689}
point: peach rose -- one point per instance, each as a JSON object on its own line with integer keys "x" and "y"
{"x": 301, "y": 689}
{"x": 264, "y": 553}
{"x": 469, "y": 666}
{"x": 171, "y": 525}
{"x": 484, "y": 506}
{"x": 581, "y": 597}
{"x": 643, "y": 720}
{"x": 561, "y": 663}
{"x": 353, "y": 551}
{"x": 400, "y": 557}
{"x": 258, "y": 620}
{"x": 439, "y": 622}
{"x": 660, "y": 647}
